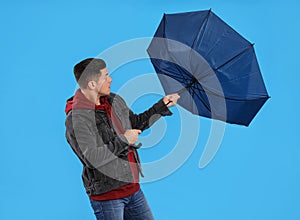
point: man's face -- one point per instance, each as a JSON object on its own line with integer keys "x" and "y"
{"x": 103, "y": 84}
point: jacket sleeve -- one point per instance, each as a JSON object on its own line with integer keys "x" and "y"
{"x": 89, "y": 146}
{"x": 146, "y": 119}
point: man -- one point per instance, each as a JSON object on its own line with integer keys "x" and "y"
{"x": 103, "y": 133}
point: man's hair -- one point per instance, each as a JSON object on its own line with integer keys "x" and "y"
{"x": 87, "y": 70}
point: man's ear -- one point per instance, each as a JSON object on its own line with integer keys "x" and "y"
{"x": 91, "y": 85}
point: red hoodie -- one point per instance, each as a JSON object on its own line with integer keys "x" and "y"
{"x": 79, "y": 101}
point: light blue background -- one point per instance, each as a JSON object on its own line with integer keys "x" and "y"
{"x": 255, "y": 174}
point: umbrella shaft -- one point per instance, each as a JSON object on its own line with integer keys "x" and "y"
{"x": 182, "y": 90}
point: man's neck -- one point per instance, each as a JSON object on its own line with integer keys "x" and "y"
{"x": 91, "y": 96}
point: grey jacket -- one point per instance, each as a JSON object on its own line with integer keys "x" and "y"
{"x": 100, "y": 149}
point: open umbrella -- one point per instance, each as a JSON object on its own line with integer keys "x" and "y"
{"x": 214, "y": 68}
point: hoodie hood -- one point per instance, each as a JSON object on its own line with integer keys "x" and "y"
{"x": 79, "y": 101}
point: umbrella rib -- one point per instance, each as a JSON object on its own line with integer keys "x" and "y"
{"x": 183, "y": 78}
{"x": 203, "y": 24}
{"x": 228, "y": 61}
{"x": 193, "y": 82}
{"x": 213, "y": 93}
{"x": 231, "y": 98}
{"x": 178, "y": 78}
{"x": 204, "y": 103}
{"x": 209, "y": 71}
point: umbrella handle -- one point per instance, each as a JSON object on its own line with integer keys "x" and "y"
{"x": 136, "y": 146}
{"x": 168, "y": 102}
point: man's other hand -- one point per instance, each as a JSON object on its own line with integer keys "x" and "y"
{"x": 132, "y": 135}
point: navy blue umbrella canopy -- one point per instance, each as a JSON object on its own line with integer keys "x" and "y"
{"x": 211, "y": 66}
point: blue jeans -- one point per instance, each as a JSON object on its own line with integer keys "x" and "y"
{"x": 134, "y": 207}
